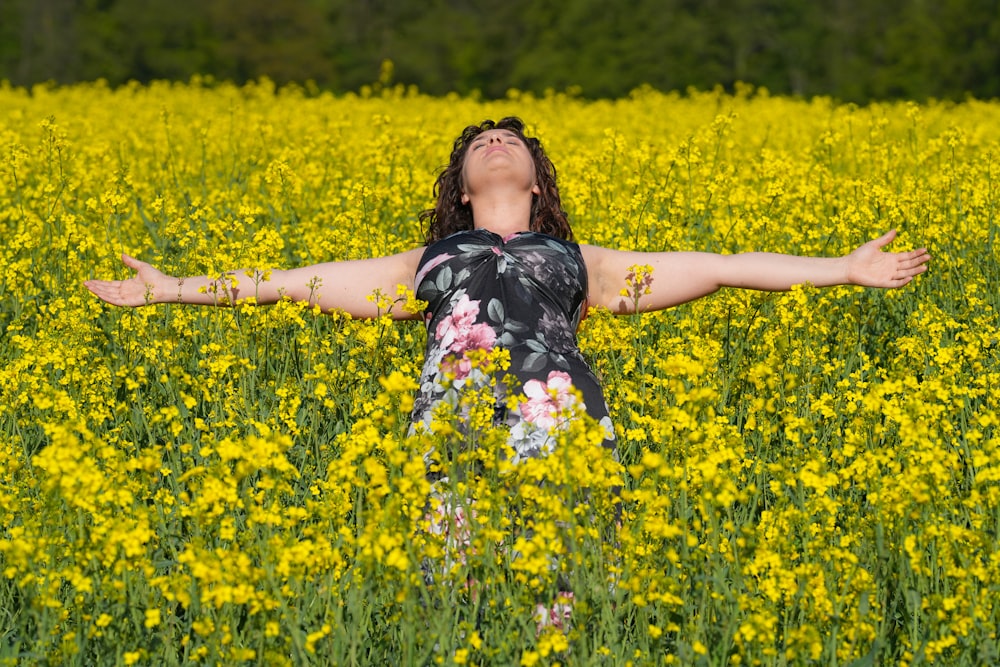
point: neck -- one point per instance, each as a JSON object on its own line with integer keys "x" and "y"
{"x": 502, "y": 215}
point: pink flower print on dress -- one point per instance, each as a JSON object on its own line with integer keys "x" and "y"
{"x": 459, "y": 332}
{"x": 426, "y": 268}
{"x": 548, "y": 400}
{"x": 555, "y": 616}
{"x": 459, "y": 367}
{"x": 452, "y": 519}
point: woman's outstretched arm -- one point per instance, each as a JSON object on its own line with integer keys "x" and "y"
{"x": 342, "y": 285}
{"x": 678, "y": 277}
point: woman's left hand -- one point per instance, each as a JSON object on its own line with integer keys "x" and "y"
{"x": 871, "y": 266}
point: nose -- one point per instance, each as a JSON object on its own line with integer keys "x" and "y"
{"x": 493, "y": 138}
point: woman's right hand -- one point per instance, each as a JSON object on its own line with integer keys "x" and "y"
{"x": 145, "y": 287}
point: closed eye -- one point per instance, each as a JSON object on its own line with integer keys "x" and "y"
{"x": 507, "y": 138}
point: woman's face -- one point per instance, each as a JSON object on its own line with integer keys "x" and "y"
{"x": 497, "y": 157}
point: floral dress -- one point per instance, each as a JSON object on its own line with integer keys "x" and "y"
{"x": 525, "y": 293}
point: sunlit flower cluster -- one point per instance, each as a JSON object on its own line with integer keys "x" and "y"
{"x": 809, "y": 477}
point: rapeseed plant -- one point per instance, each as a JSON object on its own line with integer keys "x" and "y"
{"x": 808, "y": 477}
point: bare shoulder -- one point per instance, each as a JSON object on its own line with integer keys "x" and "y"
{"x": 675, "y": 276}
{"x": 600, "y": 260}
{"x": 593, "y": 255}
{"x": 400, "y": 267}
{"x": 408, "y": 260}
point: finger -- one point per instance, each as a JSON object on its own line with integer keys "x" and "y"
{"x": 102, "y": 288}
{"x": 111, "y": 292}
{"x": 885, "y": 239}
{"x": 131, "y": 262}
{"x": 908, "y": 271}
{"x": 916, "y": 257}
{"x": 99, "y": 289}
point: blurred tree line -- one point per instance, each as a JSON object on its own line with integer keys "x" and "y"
{"x": 853, "y": 50}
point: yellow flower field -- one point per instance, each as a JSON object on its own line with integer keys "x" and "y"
{"x": 806, "y": 477}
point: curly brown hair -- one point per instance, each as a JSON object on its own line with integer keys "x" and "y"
{"x": 450, "y": 215}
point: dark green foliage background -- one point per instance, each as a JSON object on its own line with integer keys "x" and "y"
{"x": 852, "y": 50}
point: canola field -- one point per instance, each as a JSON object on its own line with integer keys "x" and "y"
{"x": 809, "y": 477}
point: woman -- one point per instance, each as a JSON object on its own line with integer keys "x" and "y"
{"x": 500, "y": 271}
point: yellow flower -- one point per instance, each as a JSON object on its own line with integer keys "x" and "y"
{"x": 530, "y": 658}
{"x": 152, "y": 618}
